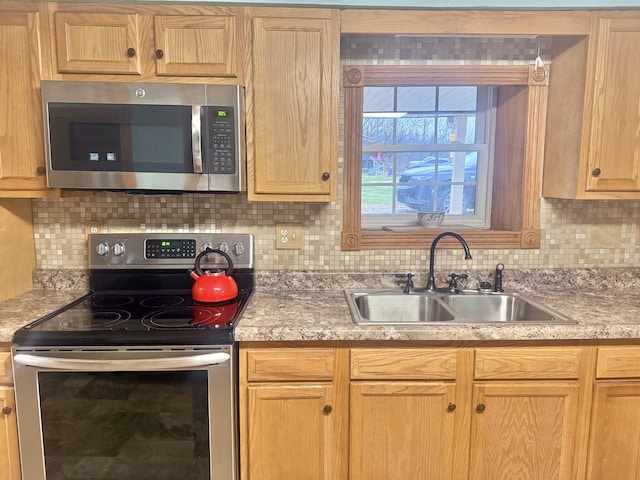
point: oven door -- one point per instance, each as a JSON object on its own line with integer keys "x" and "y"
{"x": 127, "y": 413}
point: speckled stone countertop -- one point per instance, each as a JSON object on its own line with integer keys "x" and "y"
{"x": 324, "y": 315}
{"x": 293, "y": 306}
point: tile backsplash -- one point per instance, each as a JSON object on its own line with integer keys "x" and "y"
{"x": 574, "y": 233}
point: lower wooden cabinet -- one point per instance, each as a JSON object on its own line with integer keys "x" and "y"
{"x": 614, "y": 451}
{"x": 296, "y": 419}
{"x": 523, "y": 430}
{"x": 614, "y": 443}
{"x": 401, "y": 429}
{"x": 293, "y": 413}
{"x": 529, "y": 412}
{"x": 9, "y": 452}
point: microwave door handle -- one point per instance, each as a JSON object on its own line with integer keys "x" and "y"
{"x": 196, "y": 137}
{"x": 133, "y": 365}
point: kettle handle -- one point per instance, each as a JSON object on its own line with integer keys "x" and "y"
{"x": 207, "y": 251}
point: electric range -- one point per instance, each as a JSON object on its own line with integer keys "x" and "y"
{"x": 141, "y": 293}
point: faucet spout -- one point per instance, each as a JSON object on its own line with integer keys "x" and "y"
{"x": 431, "y": 284}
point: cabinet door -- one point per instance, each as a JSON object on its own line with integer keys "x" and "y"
{"x": 401, "y": 430}
{"x": 97, "y": 42}
{"x": 292, "y": 432}
{"x": 614, "y": 444}
{"x": 614, "y": 156}
{"x": 523, "y": 431}
{"x": 21, "y": 127}
{"x": 293, "y": 102}
{"x": 9, "y": 454}
{"x": 196, "y": 45}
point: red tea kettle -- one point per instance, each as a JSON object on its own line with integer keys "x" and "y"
{"x": 211, "y": 287}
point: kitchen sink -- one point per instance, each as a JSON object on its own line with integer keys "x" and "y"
{"x": 389, "y": 307}
{"x": 397, "y": 308}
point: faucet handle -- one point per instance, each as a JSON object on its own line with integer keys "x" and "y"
{"x": 408, "y": 286}
{"x": 458, "y": 282}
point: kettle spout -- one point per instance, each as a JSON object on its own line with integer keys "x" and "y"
{"x": 193, "y": 274}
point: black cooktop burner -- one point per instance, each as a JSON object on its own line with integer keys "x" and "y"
{"x": 105, "y": 319}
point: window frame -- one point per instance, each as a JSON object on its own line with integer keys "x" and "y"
{"x": 517, "y": 176}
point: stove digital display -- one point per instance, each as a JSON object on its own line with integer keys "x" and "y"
{"x": 170, "y": 248}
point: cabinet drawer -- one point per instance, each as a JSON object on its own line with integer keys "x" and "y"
{"x": 300, "y": 364}
{"x": 527, "y": 363}
{"x": 6, "y": 373}
{"x": 404, "y": 363}
{"x": 618, "y": 362}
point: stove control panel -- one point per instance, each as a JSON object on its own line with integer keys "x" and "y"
{"x": 168, "y": 250}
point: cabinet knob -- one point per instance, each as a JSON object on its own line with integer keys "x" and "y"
{"x": 480, "y": 407}
{"x": 451, "y": 407}
{"x": 596, "y": 172}
{"x": 327, "y": 409}
{"x": 325, "y": 176}
{"x": 6, "y": 410}
{"x": 159, "y": 54}
{"x": 40, "y": 170}
{"x": 131, "y": 52}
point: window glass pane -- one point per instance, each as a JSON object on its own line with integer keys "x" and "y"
{"x": 448, "y": 184}
{"x": 378, "y": 99}
{"x": 457, "y": 99}
{"x": 415, "y": 130}
{"x": 377, "y": 130}
{"x": 377, "y": 199}
{"x": 416, "y": 99}
{"x": 457, "y": 129}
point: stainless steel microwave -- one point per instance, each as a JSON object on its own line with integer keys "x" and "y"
{"x": 145, "y": 136}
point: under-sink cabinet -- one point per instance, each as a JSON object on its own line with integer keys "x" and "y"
{"x": 405, "y": 414}
{"x": 528, "y": 410}
{"x": 482, "y": 413}
{"x": 9, "y": 452}
{"x": 135, "y": 42}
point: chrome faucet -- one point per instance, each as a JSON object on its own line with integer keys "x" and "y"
{"x": 431, "y": 284}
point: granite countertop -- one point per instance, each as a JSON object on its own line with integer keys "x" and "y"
{"x": 276, "y": 315}
{"x": 293, "y": 306}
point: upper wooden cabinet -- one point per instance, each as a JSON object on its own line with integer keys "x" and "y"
{"x": 292, "y": 104}
{"x": 97, "y": 42}
{"x": 22, "y": 171}
{"x": 592, "y": 143}
{"x": 147, "y": 42}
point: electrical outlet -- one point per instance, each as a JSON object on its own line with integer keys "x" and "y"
{"x": 92, "y": 227}
{"x": 288, "y": 236}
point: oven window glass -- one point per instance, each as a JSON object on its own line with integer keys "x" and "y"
{"x": 125, "y": 425}
{"x": 121, "y": 138}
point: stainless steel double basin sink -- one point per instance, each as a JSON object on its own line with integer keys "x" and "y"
{"x": 391, "y": 307}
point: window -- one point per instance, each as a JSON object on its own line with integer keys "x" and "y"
{"x": 462, "y": 139}
{"x": 426, "y": 148}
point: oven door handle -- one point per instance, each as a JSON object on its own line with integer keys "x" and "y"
{"x": 133, "y": 365}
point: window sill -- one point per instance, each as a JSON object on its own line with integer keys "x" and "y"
{"x": 412, "y": 239}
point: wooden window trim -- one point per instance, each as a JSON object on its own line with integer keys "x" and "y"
{"x": 515, "y": 224}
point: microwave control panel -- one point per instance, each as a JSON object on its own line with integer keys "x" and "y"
{"x": 221, "y": 152}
